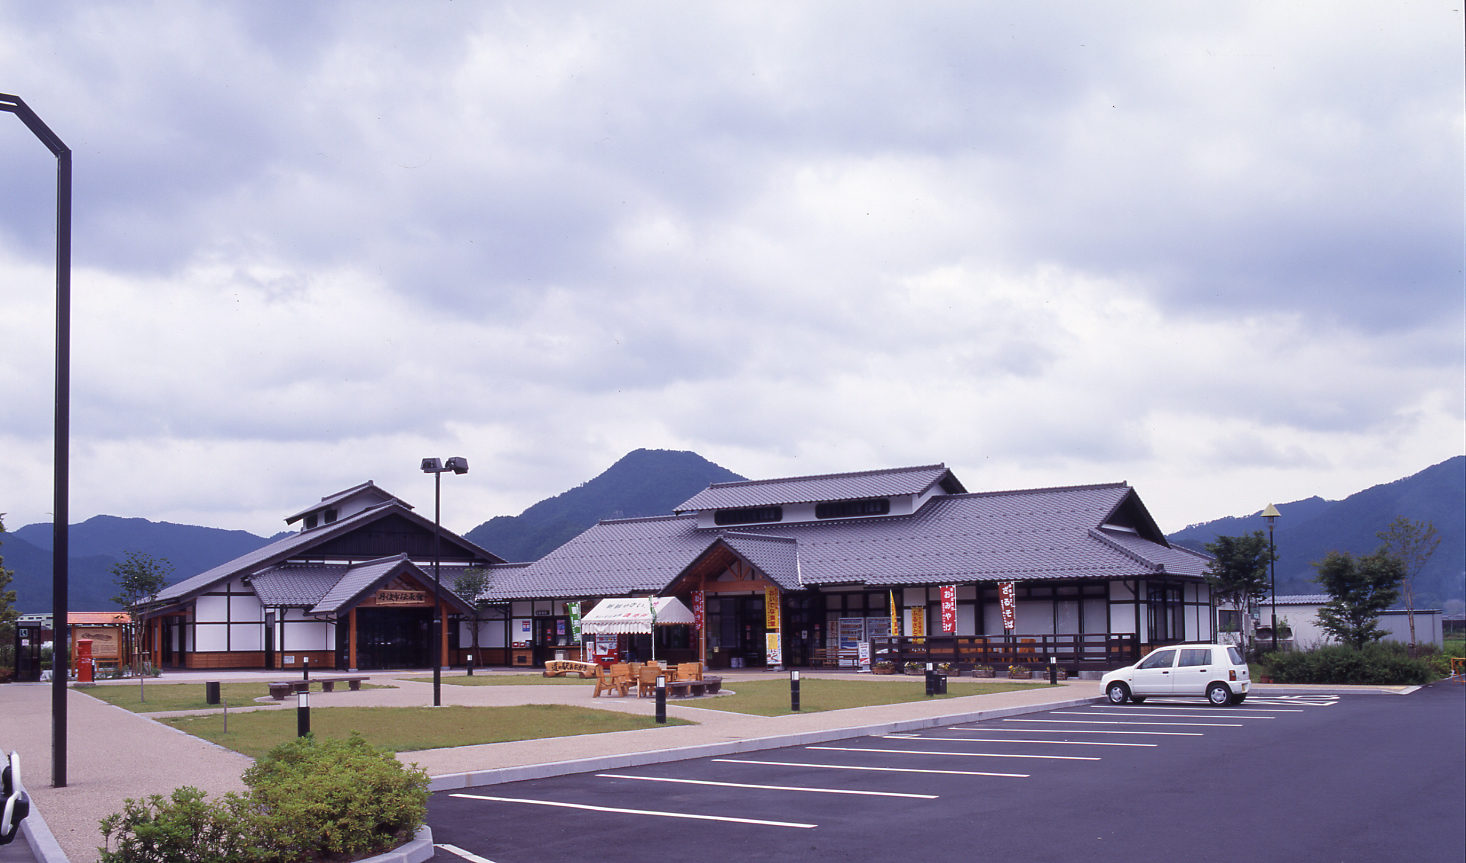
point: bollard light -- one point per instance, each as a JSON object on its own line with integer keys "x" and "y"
{"x": 303, "y": 713}
{"x": 661, "y": 698}
{"x": 794, "y": 691}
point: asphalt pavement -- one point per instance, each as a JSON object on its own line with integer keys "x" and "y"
{"x": 114, "y": 754}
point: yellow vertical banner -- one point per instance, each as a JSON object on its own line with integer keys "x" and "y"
{"x": 918, "y": 620}
{"x": 771, "y": 608}
{"x": 895, "y": 616}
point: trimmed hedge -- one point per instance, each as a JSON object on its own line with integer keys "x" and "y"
{"x": 308, "y": 801}
{"x": 1382, "y": 663}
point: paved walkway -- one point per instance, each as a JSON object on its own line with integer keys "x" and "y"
{"x": 114, "y": 754}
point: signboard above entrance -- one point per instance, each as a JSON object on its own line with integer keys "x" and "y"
{"x": 400, "y": 597}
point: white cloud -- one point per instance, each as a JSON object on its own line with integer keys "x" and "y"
{"x": 1213, "y": 250}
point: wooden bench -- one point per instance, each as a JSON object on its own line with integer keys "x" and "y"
{"x": 680, "y": 688}
{"x": 562, "y": 667}
{"x": 281, "y": 688}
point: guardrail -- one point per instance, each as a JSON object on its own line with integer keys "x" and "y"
{"x": 1091, "y": 650}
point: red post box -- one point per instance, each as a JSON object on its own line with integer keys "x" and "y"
{"x": 84, "y": 670}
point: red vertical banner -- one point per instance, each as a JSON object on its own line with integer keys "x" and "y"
{"x": 1007, "y": 600}
{"x": 699, "y": 604}
{"x": 949, "y": 608}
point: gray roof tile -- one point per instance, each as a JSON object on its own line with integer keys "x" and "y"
{"x": 828, "y": 487}
{"x": 995, "y": 536}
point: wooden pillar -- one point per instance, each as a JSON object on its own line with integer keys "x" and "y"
{"x": 351, "y": 640}
{"x": 443, "y": 648}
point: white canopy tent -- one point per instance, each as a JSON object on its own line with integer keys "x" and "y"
{"x": 635, "y": 615}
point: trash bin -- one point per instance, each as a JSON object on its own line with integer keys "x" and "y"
{"x": 211, "y": 692}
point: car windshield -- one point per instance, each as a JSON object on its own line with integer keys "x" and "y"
{"x": 1159, "y": 659}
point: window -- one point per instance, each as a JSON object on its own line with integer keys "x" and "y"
{"x": 330, "y": 516}
{"x": 852, "y": 508}
{"x": 1159, "y": 659}
{"x": 1194, "y": 656}
{"x": 752, "y": 515}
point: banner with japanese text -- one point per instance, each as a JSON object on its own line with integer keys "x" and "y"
{"x": 895, "y": 616}
{"x": 699, "y": 606}
{"x": 771, "y": 608}
{"x": 949, "y": 608}
{"x": 918, "y": 620}
{"x": 574, "y": 609}
{"x": 1008, "y": 602}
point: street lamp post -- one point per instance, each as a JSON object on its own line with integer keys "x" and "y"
{"x": 60, "y": 508}
{"x": 436, "y": 467}
{"x": 1272, "y": 514}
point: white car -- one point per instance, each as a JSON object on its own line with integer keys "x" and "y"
{"x": 1214, "y": 671}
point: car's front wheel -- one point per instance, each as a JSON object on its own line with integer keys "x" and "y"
{"x": 1117, "y": 692}
{"x": 1219, "y": 694}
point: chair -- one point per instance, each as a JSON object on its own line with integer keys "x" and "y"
{"x": 646, "y": 680}
{"x": 617, "y": 677}
{"x": 689, "y": 671}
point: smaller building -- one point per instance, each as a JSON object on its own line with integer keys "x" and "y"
{"x": 1299, "y": 628}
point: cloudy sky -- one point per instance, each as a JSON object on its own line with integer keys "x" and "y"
{"x": 1212, "y": 249}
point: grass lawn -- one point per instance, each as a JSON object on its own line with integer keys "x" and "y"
{"x": 771, "y": 697}
{"x": 185, "y": 696}
{"x": 404, "y": 729}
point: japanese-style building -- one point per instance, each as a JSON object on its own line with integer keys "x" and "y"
{"x": 799, "y": 571}
{"x": 352, "y": 589}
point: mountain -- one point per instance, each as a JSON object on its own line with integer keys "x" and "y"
{"x": 644, "y": 482}
{"x": 99, "y": 543}
{"x": 1308, "y": 529}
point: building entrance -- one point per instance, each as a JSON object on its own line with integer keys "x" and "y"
{"x": 393, "y": 637}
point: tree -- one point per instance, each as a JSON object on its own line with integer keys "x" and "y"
{"x": 1411, "y": 543}
{"x": 1361, "y": 588}
{"x": 470, "y": 586}
{"x": 8, "y": 614}
{"x": 1238, "y": 574}
{"x": 139, "y": 578}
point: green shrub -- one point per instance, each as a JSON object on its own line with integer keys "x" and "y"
{"x": 308, "y": 800}
{"x": 181, "y": 827}
{"x": 338, "y": 796}
{"x": 1379, "y": 663}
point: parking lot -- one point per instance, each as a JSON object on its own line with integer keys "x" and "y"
{"x": 1369, "y": 777}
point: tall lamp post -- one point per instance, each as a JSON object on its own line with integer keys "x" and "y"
{"x": 436, "y": 467}
{"x": 60, "y": 660}
{"x": 1272, "y": 514}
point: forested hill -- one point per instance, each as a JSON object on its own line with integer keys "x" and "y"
{"x": 642, "y": 483}
{"x": 1310, "y": 528}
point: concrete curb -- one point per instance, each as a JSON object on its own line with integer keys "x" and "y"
{"x": 479, "y": 778}
{"x": 44, "y": 846}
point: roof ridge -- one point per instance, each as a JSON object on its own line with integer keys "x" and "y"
{"x": 1040, "y": 490}
{"x": 643, "y": 518}
{"x": 1120, "y": 547}
{"x": 743, "y": 483}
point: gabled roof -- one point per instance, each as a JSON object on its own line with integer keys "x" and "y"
{"x": 827, "y": 487}
{"x": 367, "y": 489}
{"x": 299, "y": 544}
{"x": 331, "y": 588}
{"x": 1052, "y": 533}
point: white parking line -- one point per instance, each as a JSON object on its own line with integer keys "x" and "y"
{"x": 769, "y": 787}
{"x": 1157, "y": 704}
{"x": 637, "y": 811}
{"x": 958, "y": 754}
{"x": 877, "y": 769}
{"x": 1012, "y": 740}
{"x": 1112, "y": 722}
{"x": 466, "y": 855}
{"x": 1230, "y": 715}
{"x": 1079, "y": 731}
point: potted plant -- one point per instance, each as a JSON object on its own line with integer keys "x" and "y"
{"x": 915, "y": 667}
{"x": 949, "y": 669}
{"x": 1019, "y": 672}
{"x": 884, "y": 666}
{"x": 983, "y": 671}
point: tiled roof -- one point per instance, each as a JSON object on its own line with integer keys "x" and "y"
{"x": 382, "y": 494}
{"x": 997, "y": 536}
{"x": 1299, "y": 599}
{"x": 297, "y": 544}
{"x": 829, "y": 487}
{"x": 296, "y": 584}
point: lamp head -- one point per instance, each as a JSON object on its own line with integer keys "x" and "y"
{"x": 432, "y": 465}
{"x": 458, "y": 464}
{"x": 1271, "y": 514}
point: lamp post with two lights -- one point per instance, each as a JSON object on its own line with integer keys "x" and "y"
{"x": 437, "y": 467}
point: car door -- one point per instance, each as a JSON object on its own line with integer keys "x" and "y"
{"x": 1194, "y": 669}
{"x": 1153, "y": 674}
